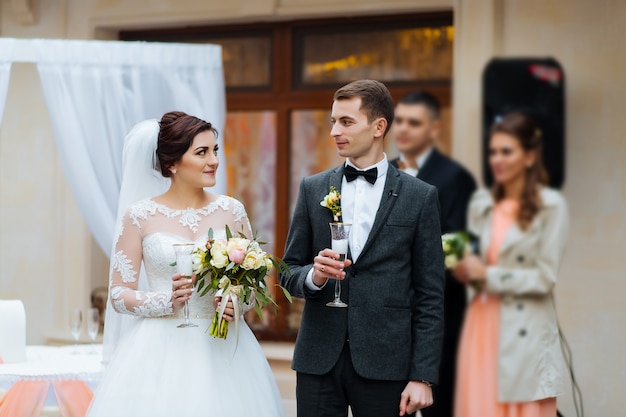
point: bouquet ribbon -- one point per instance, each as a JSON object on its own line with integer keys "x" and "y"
{"x": 230, "y": 293}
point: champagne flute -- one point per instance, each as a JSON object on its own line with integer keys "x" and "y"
{"x": 76, "y": 323}
{"x": 340, "y": 234}
{"x": 93, "y": 325}
{"x": 184, "y": 265}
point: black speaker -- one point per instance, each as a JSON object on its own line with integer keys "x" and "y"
{"x": 535, "y": 86}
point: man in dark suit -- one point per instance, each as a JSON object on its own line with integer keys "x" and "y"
{"x": 380, "y": 355}
{"x": 416, "y": 127}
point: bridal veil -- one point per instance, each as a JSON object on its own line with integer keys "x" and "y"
{"x": 141, "y": 178}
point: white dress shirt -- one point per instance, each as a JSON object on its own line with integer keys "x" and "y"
{"x": 420, "y": 161}
{"x": 359, "y": 203}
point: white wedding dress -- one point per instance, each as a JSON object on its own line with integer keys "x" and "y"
{"x": 159, "y": 370}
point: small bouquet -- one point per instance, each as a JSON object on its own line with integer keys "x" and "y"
{"x": 332, "y": 201}
{"x": 455, "y": 246}
{"x": 236, "y": 268}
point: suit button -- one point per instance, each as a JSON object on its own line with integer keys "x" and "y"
{"x": 520, "y": 258}
{"x": 522, "y": 332}
{"x": 520, "y": 306}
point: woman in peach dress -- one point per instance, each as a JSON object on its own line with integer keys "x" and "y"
{"x": 510, "y": 362}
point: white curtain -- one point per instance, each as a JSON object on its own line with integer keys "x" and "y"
{"x": 96, "y": 91}
{"x": 6, "y": 58}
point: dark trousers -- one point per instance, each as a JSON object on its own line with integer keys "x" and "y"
{"x": 331, "y": 394}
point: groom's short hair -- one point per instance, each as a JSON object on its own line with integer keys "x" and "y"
{"x": 375, "y": 98}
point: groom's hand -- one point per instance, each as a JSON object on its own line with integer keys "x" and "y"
{"x": 326, "y": 265}
{"x": 416, "y": 395}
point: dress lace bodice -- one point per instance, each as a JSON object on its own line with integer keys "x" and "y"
{"x": 147, "y": 232}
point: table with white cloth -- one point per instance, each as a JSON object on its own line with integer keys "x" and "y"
{"x": 53, "y": 381}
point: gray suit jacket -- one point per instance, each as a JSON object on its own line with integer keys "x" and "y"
{"x": 394, "y": 322}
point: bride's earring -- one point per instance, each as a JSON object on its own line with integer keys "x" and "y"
{"x": 173, "y": 171}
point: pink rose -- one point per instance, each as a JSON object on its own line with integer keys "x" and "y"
{"x": 236, "y": 254}
{"x": 237, "y": 248}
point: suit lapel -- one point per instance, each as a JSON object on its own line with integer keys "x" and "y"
{"x": 430, "y": 167}
{"x": 393, "y": 184}
{"x": 335, "y": 178}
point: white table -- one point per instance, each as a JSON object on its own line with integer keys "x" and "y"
{"x": 51, "y": 363}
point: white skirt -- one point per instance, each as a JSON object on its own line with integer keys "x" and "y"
{"x": 160, "y": 370}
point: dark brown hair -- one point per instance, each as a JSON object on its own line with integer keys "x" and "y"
{"x": 425, "y": 99}
{"x": 375, "y": 99}
{"x": 525, "y": 130}
{"x": 175, "y": 137}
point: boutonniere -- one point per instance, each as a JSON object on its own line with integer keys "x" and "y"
{"x": 332, "y": 201}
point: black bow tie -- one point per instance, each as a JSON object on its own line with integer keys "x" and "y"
{"x": 352, "y": 173}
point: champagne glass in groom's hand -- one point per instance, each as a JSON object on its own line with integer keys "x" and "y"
{"x": 339, "y": 233}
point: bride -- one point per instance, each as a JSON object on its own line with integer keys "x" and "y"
{"x": 154, "y": 368}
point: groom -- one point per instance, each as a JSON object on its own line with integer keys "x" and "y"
{"x": 380, "y": 355}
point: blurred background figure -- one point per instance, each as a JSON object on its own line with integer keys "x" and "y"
{"x": 510, "y": 361}
{"x": 416, "y": 128}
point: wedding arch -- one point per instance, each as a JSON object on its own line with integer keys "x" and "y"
{"x": 95, "y": 91}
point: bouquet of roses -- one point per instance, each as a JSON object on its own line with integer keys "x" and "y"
{"x": 455, "y": 246}
{"x": 236, "y": 268}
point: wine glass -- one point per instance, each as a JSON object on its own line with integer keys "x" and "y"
{"x": 76, "y": 323}
{"x": 93, "y": 325}
{"x": 339, "y": 234}
{"x": 184, "y": 266}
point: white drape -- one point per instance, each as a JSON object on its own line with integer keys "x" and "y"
{"x": 96, "y": 91}
{"x": 6, "y": 59}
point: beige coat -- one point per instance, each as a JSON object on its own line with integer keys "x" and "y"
{"x": 530, "y": 363}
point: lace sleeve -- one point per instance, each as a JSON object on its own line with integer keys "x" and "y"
{"x": 125, "y": 266}
{"x": 241, "y": 218}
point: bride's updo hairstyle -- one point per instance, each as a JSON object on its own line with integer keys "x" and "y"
{"x": 522, "y": 127}
{"x": 176, "y": 133}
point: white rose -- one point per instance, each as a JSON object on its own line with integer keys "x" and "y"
{"x": 255, "y": 247}
{"x": 196, "y": 261}
{"x": 252, "y": 260}
{"x": 450, "y": 261}
{"x": 446, "y": 246}
{"x": 219, "y": 260}
{"x": 219, "y": 257}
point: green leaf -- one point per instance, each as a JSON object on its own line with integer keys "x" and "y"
{"x": 257, "y": 308}
{"x": 287, "y": 295}
{"x": 228, "y": 233}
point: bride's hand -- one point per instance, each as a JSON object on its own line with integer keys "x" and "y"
{"x": 229, "y": 311}
{"x": 182, "y": 288}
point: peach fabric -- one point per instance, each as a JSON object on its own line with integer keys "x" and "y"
{"x": 73, "y": 397}
{"x": 25, "y": 398}
{"x": 477, "y": 362}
